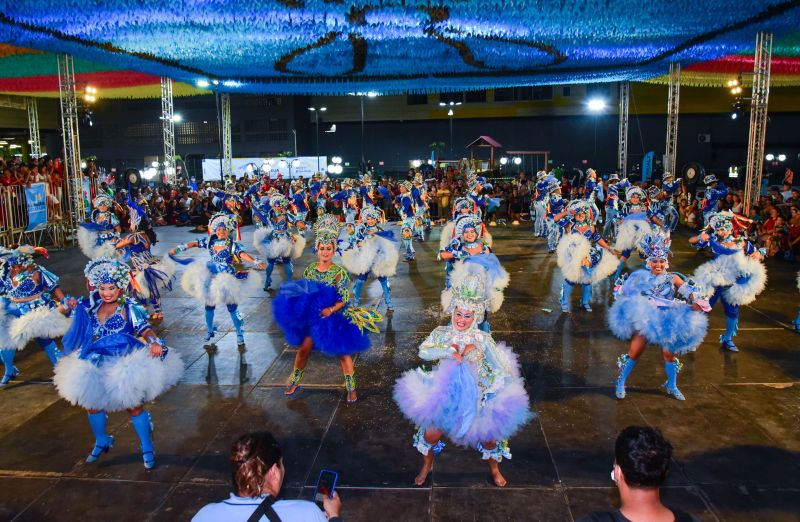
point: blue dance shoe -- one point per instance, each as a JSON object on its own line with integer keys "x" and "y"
{"x": 98, "y": 450}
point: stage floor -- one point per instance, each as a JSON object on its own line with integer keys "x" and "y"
{"x": 736, "y": 437}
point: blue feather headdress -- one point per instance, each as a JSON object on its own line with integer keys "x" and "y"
{"x": 656, "y": 247}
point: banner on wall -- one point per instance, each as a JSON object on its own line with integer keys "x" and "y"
{"x": 36, "y": 199}
{"x": 306, "y": 167}
{"x": 647, "y": 166}
{"x": 86, "y": 190}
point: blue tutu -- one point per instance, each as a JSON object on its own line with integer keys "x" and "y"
{"x": 297, "y": 310}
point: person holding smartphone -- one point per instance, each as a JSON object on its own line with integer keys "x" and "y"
{"x": 257, "y": 474}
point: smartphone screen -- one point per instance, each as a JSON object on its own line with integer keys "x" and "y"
{"x": 325, "y": 486}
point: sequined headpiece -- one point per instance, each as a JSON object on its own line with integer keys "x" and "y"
{"x": 406, "y": 185}
{"x": 470, "y": 294}
{"x": 635, "y": 191}
{"x": 107, "y": 271}
{"x": 591, "y": 173}
{"x": 722, "y": 220}
{"x": 653, "y": 191}
{"x": 326, "y": 229}
{"x": 667, "y": 175}
{"x": 613, "y": 177}
{"x": 298, "y": 183}
{"x": 371, "y": 211}
{"x": 553, "y": 185}
{"x": 347, "y": 182}
{"x": 463, "y": 204}
{"x": 581, "y": 206}
{"x": 102, "y": 200}
{"x": 278, "y": 202}
{"x": 418, "y": 181}
{"x": 708, "y": 180}
{"x": 655, "y": 247}
{"x": 366, "y": 179}
{"x": 220, "y": 220}
{"x": 465, "y": 222}
{"x": 23, "y": 255}
{"x": 541, "y": 175}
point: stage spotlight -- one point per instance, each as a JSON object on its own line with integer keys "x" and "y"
{"x": 734, "y": 115}
{"x": 416, "y": 163}
{"x": 769, "y": 157}
{"x": 202, "y": 83}
{"x": 503, "y": 160}
{"x": 177, "y": 118}
{"x": 596, "y": 105}
{"x": 517, "y": 160}
{"x": 372, "y": 94}
{"x": 781, "y": 157}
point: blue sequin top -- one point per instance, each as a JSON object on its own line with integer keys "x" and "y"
{"x": 718, "y": 249}
{"x": 129, "y": 317}
{"x": 24, "y": 286}
{"x": 221, "y": 258}
{"x": 139, "y": 250}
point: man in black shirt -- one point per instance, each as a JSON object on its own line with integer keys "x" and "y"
{"x": 641, "y": 465}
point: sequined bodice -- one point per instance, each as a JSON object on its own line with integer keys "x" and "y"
{"x": 105, "y": 219}
{"x": 335, "y": 276}
{"x": 115, "y": 323}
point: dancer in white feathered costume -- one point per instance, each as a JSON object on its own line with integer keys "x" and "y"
{"x": 272, "y": 238}
{"x": 217, "y": 281}
{"x": 151, "y": 274}
{"x": 488, "y": 267}
{"x": 114, "y": 361}
{"x": 583, "y": 256}
{"x": 635, "y": 222}
{"x": 467, "y": 241}
{"x": 657, "y": 307}
{"x": 463, "y": 207}
{"x": 736, "y": 273}
{"x": 99, "y": 236}
{"x": 374, "y": 251}
{"x": 29, "y": 309}
{"x": 404, "y": 203}
{"x": 474, "y": 395}
{"x": 539, "y": 206}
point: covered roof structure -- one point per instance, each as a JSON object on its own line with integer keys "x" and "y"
{"x": 327, "y": 47}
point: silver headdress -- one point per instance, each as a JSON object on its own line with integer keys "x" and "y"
{"x": 470, "y": 294}
{"x": 107, "y": 271}
{"x": 326, "y": 229}
{"x": 221, "y": 220}
{"x": 635, "y": 191}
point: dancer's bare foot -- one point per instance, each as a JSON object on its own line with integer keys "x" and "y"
{"x": 498, "y": 478}
{"x": 351, "y": 396}
{"x": 427, "y": 466}
{"x": 291, "y": 389}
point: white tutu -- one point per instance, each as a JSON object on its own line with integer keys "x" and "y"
{"x": 47, "y": 323}
{"x": 87, "y": 240}
{"x": 571, "y": 252}
{"x": 219, "y": 289}
{"x": 377, "y": 255}
{"x": 632, "y": 232}
{"x": 165, "y": 265}
{"x": 278, "y": 248}
{"x": 120, "y": 382}
{"x": 724, "y": 272}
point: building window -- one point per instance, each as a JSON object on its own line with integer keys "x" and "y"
{"x": 475, "y": 96}
{"x": 455, "y": 97}
{"x": 541, "y": 92}
{"x": 417, "y": 99}
{"x": 566, "y": 92}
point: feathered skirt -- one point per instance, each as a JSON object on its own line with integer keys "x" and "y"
{"x": 281, "y": 247}
{"x": 675, "y": 328}
{"x": 116, "y": 382}
{"x": 449, "y": 398}
{"x": 631, "y": 233}
{"x": 215, "y": 288}
{"x": 297, "y": 310}
{"x": 571, "y": 252}
{"x": 378, "y": 254}
{"x": 742, "y": 277}
{"x": 18, "y": 326}
{"x": 97, "y": 243}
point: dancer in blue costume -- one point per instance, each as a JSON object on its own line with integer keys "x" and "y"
{"x": 315, "y": 312}
{"x": 583, "y": 256}
{"x": 592, "y": 191}
{"x": 28, "y": 309}
{"x": 348, "y": 196}
{"x": 99, "y": 236}
{"x": 736, "y": 274}
{"x": 404, "y": 203}
{"x": 300, "y": 203}
{"x": 474, "y": 395}
{"x": 272, "y": 237}
{"x": 613, "y": 205}
{"x": 113, "y": 359}
{"x": 217, "y": 281}
{"x": 556, "y": 214}
{"x": 636, "y": 221}
{"x": 658, "y": 307}
{"x": 319, "y": 193}
{"x": 670, "y": 187}
{"x": 151, "y": 274}
{"x": 466, "y": 242}
{"x": 539, "y": 209}
{"x": 476, "y": 184}
{"x": 715, "y": 192}
{"x": 463, "y": 207}
{"x": 372, "y": 251}
{"x": 420, "y": 195}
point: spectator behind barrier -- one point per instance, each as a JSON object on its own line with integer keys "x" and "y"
{"x": 642, "y": 457}
{"x": 257, "y": 475}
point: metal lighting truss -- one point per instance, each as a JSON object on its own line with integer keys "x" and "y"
{"x": 758, "y": 120}
{"x": 622, "y": 155}
{"x": 71, "y": 138}
{"x": 227, "y": 148}
{"x": 673, "y": 110}
{"x": 168, "y": 129}
{"x": 33, "y": 127}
